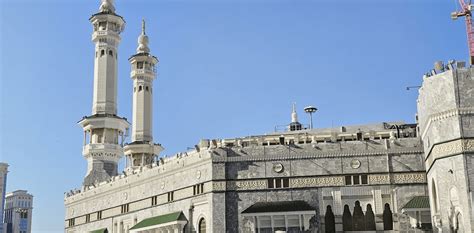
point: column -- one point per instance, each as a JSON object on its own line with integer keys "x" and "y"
{"x": 378, "y": 208}
{"x": 337, "y": 207}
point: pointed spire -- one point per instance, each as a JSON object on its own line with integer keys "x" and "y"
{"x": 143, "y": 27}
{"x": 294, "y": 115}
{"x": 143, "y": 40}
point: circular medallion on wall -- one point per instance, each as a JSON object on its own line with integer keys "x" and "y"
{"x": 125, "y": 196}
{"x": 198, "y": 174}
{"x": 162, "y": 185}
{"x": 278, "y": 167}
{"x": 355, "y": 164}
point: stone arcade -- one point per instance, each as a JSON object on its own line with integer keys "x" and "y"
{"x": 375, "y": 177}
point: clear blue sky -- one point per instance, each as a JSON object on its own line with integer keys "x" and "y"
{"x": 228, "y": 68}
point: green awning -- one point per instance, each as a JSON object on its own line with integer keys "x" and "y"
{"x": 160, "y": 220}
{"x": 104, "y": 230}
{"x": 420, "y": 202}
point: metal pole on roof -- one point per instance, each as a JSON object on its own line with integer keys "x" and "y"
{"x": 310, "y": 110}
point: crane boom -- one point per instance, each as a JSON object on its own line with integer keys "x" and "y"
{"x": 466, "y": 12}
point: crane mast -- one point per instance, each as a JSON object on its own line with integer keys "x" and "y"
{"x": 466, "y": 12}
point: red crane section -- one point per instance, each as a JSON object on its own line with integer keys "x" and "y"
{"x": 466, "y": 12}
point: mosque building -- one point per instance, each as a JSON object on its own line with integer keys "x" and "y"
{"x": 383, "y": 177}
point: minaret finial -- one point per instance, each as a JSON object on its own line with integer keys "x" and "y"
{"x": 143, "y": 27}
{"x": 294, "y": 115}
{"x": 143, "y": 40}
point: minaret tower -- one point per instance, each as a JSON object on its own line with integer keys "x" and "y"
{"x": 141, "y": 151}
{"x": 104, "y": 131}
{"x": 294, "y": 125}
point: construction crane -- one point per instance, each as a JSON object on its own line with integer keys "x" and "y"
{"x": 466, "y": 12}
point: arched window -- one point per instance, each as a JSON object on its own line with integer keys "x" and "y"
{"x": 347, "y": 219}
{"x": 329, "y": 222}
{"x": 102, "y": 52}
{"x": 111, "y": 53}
{"x": 358, "y": 219}
{"x": 387, "y": 218}
{"x": 140, "y": 88}
{"x": 146, "y": 88}
{"x": 202, "y": 226}
{"x": 369, "y": 219}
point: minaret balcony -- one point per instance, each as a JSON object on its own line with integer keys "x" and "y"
{"x": 113, "y": 151}
{"x": 143, "y": 148}
{"x": 149, "y": 72}
{"x": 107, "y": 33}
{"x": 104, "y": 121}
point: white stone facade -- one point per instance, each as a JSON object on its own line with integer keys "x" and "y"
{"x": 104, "y": 131}
{"x": 353, "y": 178}
{"x": 446, "y": 117}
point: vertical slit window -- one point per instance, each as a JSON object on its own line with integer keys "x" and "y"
{"x": 348, "y": 180}
{"x": 356, "y": 179}
{"x": 271, "y": 183}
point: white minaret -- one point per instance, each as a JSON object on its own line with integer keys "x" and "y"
{"x": 141, "y": 151}
{"x": 104, "y": 131}
{"x": 294, "y": 125}
{"x": 294, "y": 115}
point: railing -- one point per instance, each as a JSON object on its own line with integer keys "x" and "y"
{"x": 100, "y": 146}
{"x": 104, "y": 33}
{"x": 285, "y": 128}
{"x": 142, "y": 71}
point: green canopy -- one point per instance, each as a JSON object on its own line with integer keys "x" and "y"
{"x": 420, "y": 202}
{"x": 160, "y": 220}
{"x": 103, "y": 230}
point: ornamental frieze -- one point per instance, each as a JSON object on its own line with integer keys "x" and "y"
{"x": 247, "y": 185}
{"x": 379, "y": 179}
{"x": 449, "y": 148}
{"x": 409, "y": 178}
{"x": 218, "y": 186}
{"x": 317, "y": 182}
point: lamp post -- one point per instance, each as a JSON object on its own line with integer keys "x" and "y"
{"x": 310, "y": 110}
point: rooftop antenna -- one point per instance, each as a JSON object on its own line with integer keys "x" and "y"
{"x": 466, "y": 11}
{"x": 310, "y": 110}
{"x": 413, "y": 87}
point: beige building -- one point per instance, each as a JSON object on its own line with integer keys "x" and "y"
{"x": 18, "y": 212}
{"x": 3, "y": 185}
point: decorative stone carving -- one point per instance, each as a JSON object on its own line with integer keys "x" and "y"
{"x": 317, "y": 182}
{"x": 247, "y": 185}
{"x": 219, "y": 186}
{"x": 278, "y": 167}
{"x": 379, "y": 179}
{"x": 449, "y": 148}
{"x": 409, "y": 178}
{"x": 355, "y": 164}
